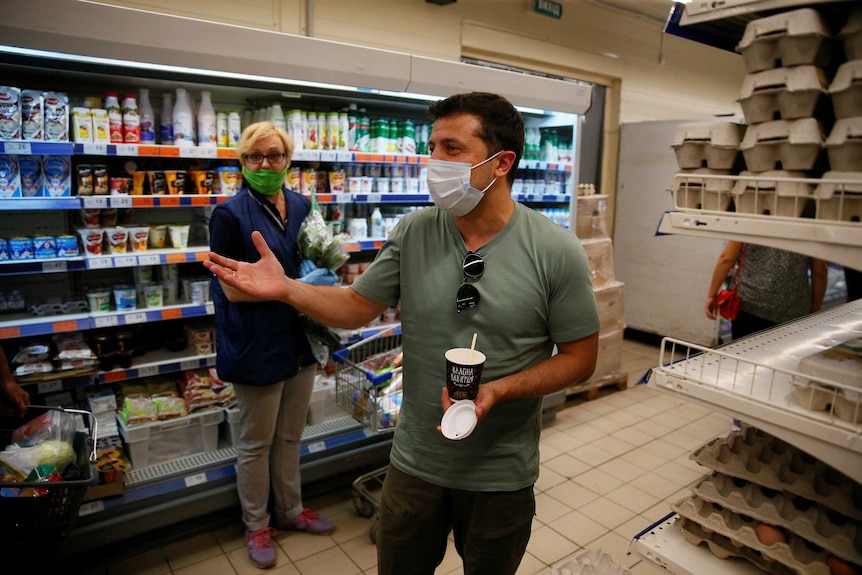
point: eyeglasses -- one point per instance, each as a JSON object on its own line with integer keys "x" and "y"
{"x": 468, "y": 296}
{"x": 272, "y": 157}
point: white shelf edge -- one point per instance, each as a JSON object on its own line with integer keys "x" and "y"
{"x": 663, "y": 545}
{"x": 837, "y": 243}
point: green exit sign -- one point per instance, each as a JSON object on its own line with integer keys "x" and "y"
{"x": 547, "y": 8}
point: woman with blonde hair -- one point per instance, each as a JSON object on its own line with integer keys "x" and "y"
{"x": 262, "y": 347}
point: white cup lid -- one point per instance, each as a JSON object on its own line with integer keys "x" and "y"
{"x": 459, "y": 421}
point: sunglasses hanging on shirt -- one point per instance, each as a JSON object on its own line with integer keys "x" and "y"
{"x": 468, "y": 296}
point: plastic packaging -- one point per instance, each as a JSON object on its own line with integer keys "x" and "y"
{"x": 131, "y": 120}
{"x": 183, "y": 120}
{"x": 115, "y": 118}
{"x": 207, "y": 129}
{"x": 147, "y": 117}
{"x": 276, "y": 116}
{"x": 234, "y": 128}
{"x": 377, "y": 229}
{"x": 166, "y": 124}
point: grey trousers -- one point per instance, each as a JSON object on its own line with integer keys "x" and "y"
{"x": 271, "y": 421}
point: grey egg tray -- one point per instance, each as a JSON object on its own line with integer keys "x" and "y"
{"x": 757, "y": 456}
{"x": 819, "y": 525}
{"x": 723, "y": 547}
{"x": 795, "y": 553}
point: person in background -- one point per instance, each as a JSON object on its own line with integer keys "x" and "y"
{"x": 774, "y": 286}
{"x": 262, "y": 347}
{"x": 476, "y": 262}
{"x": 853, "y": 281}
{"x": 13, "y": 399}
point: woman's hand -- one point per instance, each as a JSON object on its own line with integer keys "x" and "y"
{"x": 263, "y": 280}
{"x": 711, "y": 307}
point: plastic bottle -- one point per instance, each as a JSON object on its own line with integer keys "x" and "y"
{"x": 147, "y": 117}
{"x": 234, "y": 128}
{"x": 276, "y": 116}
{"x": 312, "y": 133}
{"x": 131, "y": 120}
{"x": 166, "y": 124}
{"x": 343, "y": 131}
{"x": 183, "y": 120}
{"x": 353, "y": 130}
{"x": 333, "y": 126}
{"x": 221, "y": 129}
{"x": 376, "y": 228}
{"x": 207, "y": 124}
{"x": 115, "y": 118}
{"x": 364, "y": 131}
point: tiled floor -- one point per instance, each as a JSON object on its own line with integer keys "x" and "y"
{"x": 610, "y": 467}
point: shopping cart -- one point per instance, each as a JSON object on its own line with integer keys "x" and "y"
{"x": 366, "y": 388}
{"x": 41, "y": 523}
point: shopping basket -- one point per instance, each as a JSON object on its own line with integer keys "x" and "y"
{"x": 42, "y": 523}
{"x": 363, "y": 372}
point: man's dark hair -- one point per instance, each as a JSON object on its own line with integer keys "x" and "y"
{"x": 501, "y": 125}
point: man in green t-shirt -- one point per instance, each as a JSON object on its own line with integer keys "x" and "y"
{"x": 525, "y": 291}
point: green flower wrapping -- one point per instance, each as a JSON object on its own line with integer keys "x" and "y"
{"x": 318, "y": 246}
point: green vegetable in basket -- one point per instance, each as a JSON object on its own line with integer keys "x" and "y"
{"x": 23, "y": 460}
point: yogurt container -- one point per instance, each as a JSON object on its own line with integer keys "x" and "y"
{"x": 157, "y": 235}
{"x": 44, "y": 247}
{"x": 10, "y": 113}
{"x": 138, "y": 238}
{"x": 10, "y": 177}
{"x": 179, "y": 236}
{"x": 91, "y": 239}
{"x": 30, "y": 169}
{"x": 67, "y": 246}
{"x": 99, "y": 300}
{"x": 118, "y": 239}
{"x": 4, "y": 254}
{"x": 154, "y": 295}
{"x": 20, "y": 248}
{"x": 229, "y": 180}
{"x": 125, "y": 297}
{"x": 57, "y": 176}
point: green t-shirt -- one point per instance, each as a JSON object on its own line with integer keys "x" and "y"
{"x": 536, "y": 290}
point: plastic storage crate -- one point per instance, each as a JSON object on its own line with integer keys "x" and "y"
{"x": 42, "y": 524}
{"x": 361, "y": 386}
{"x": 153, "y": 443}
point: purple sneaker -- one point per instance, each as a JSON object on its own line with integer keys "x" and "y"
{"x": 308, "y": 521}
{"x": 260, "y": 550}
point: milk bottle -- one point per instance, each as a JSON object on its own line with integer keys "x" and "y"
{"x": 183, "y": 120}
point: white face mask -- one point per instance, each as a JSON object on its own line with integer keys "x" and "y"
{"x": 449, "y": 185}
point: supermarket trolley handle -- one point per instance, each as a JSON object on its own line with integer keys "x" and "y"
{"x": 94, "y": 424}
{"x": 341, "y": 354}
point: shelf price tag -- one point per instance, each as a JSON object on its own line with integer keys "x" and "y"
{"x": 148, "y": 371}
{"x": 125, "y": 261}
{"x": 94, "y": 202}
{"x": 127, "y": 149}
{"x": 189, "y": 152}
{"x": 137, "y": 317}
{"x": 149, "y": 260}
{"x": 106, "y": 321}
{"x": 210, "y": 308}
{"x": 196, "y": 479}
{"x": 91, "y": 507}
{"x": 343, "y": 157}
{"x": 209, "y": 153}
{"x": 17, "y": 148}
{"x": 188, "y": 364}
{"x": 100, "y": 263}
{"x": 121, "y": 201}
{"x": 317, "y": 447}
{"x": 49, "y": 267}
{"x": 328, "y": 156}
{"x": 50, "y": 386}
{"x": 373, "y": 198}
{"x": 96, "y": 149}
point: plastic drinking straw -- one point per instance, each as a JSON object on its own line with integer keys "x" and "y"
{"x": 472, "y": 347}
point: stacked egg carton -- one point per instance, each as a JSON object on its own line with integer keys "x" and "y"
{"x": 844, "y": 144}
{"x": 706, "y": 151}
{"x": 785, "y": 99}
{"x": 778, "y": 507}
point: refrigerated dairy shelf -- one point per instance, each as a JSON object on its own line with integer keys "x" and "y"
{"x": 753, "y": 379}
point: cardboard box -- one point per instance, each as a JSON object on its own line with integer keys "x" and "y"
{"x": 610, "y": 356}
{"x": 118, "y": 487}
{"x": 609, "y": 300}
{"x": 600, "y": 256}
{"x": 592, "y": 220}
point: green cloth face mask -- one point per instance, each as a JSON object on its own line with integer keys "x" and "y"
{"x": 267, "y": 182}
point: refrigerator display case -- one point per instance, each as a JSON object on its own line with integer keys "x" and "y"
{"x": 87, "y": 49}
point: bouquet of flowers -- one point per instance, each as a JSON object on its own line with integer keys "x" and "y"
{"x": 321, "y": 256}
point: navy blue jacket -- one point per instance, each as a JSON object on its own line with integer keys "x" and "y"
{"x": 258, "y": 343}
